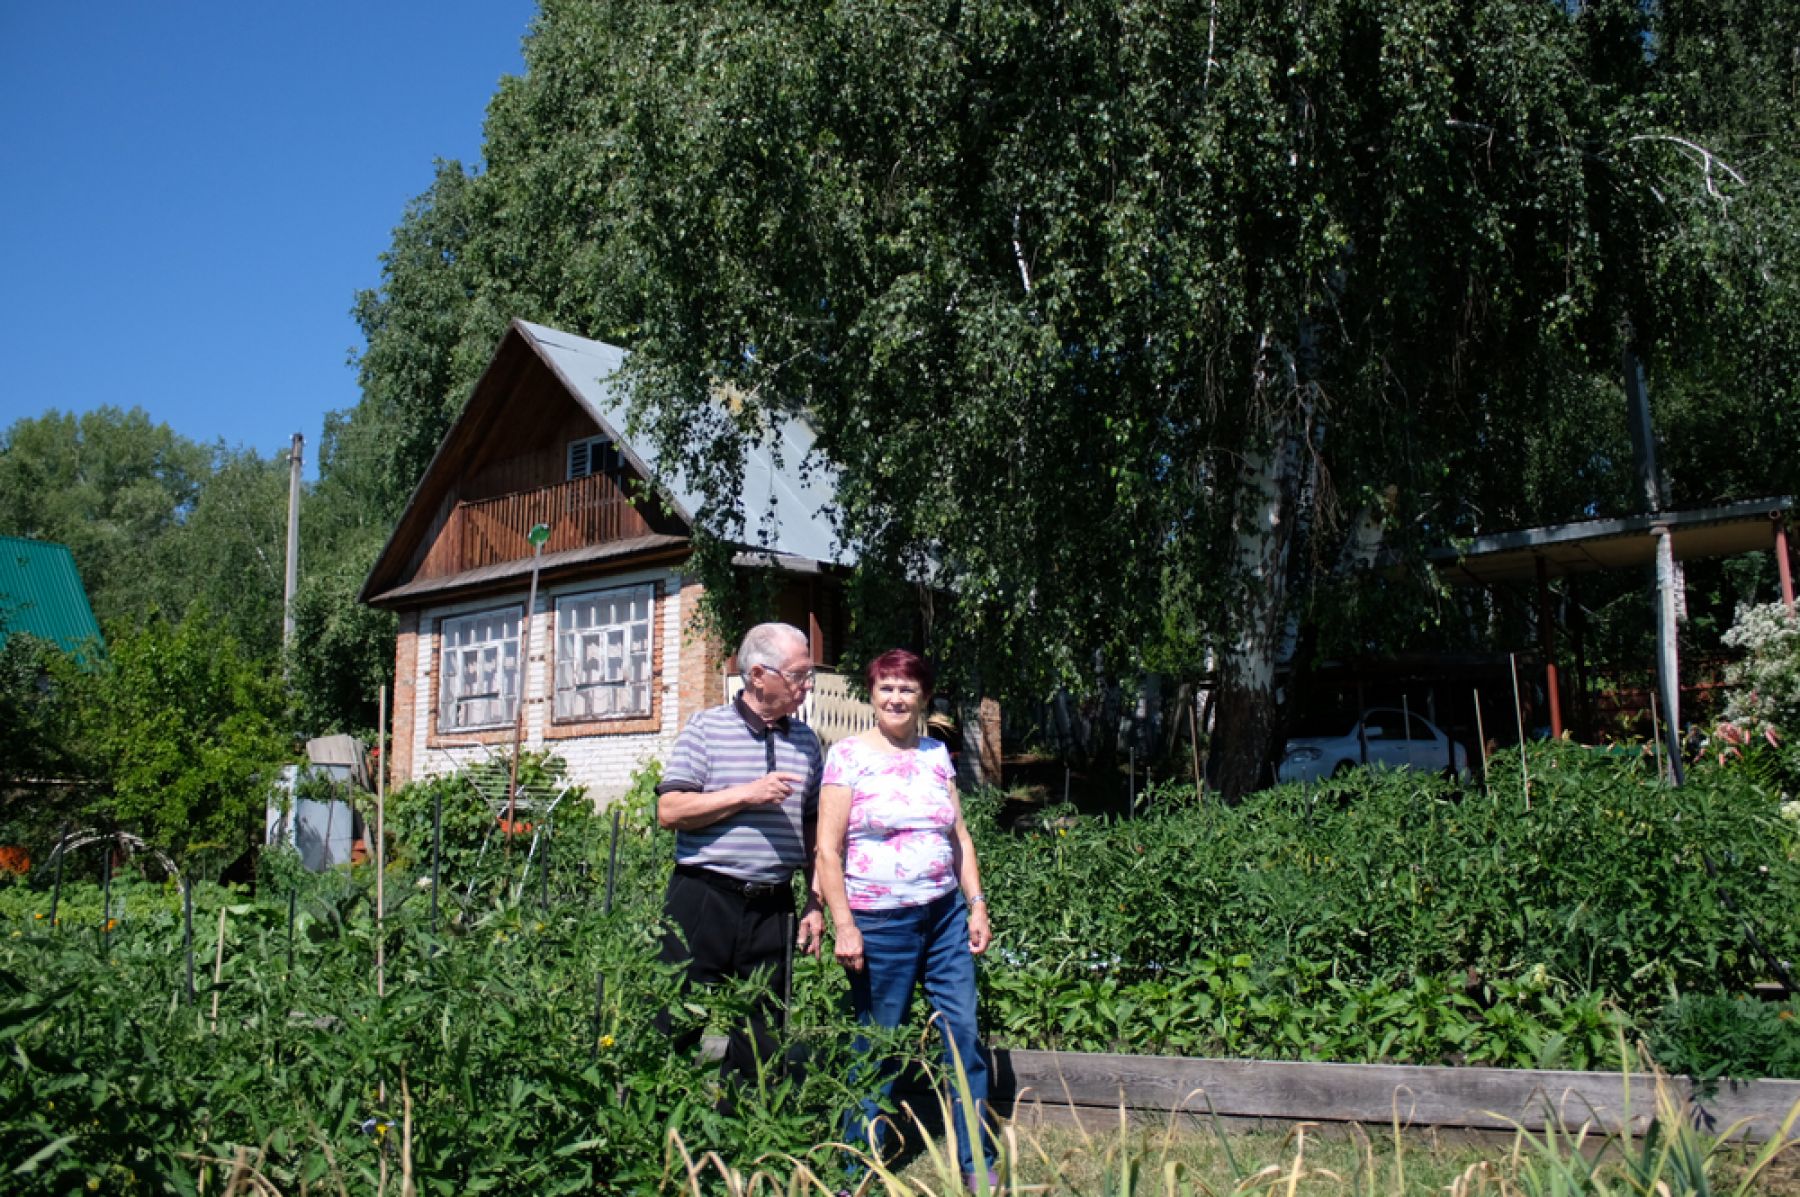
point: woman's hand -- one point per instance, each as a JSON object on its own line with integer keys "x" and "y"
{"x": 979, "y": 934}
{"x": 848, "y": 945}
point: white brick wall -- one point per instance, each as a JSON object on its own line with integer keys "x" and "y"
{"x": 604, "y": 764}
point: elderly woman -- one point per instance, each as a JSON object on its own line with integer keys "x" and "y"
{"x": 896, "y": 868}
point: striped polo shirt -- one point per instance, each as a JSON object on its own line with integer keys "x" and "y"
{"x": 728, "y": 746}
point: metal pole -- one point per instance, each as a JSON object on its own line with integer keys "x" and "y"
{"x": 437, "y": 852}
{"x": 612, "y": 861}
{"x": 1783, "y": 568}
{"x": 295, "y": 457}
{"x": 1668, "y": 665}
{"x": 524, "y": 684}
{"x": 106, "y": 899}
{"x": 544, "y": 869}
{"x": 62, "y": 850}
{"x": 1547, "y": 645}
{"x": 787, "y": 971}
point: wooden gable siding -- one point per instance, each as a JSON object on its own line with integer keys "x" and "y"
{"x": 510, "y": 475}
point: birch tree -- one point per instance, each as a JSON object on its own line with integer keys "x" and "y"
{"x": 1112, "y": 309}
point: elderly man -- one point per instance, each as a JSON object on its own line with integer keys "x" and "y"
{"x": 741, "y": 792}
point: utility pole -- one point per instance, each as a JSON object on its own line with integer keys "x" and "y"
{"x": 295, "y": 456}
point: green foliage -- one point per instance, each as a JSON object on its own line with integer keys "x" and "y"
{"x": 1393, "y": 916}
{"x": 184, "y": 727}
{"x": 1710, "y": 1035}
{"x": 155, "y": 521}
{"x": 486, "y": 1041}
{"x": 40, "y": 688}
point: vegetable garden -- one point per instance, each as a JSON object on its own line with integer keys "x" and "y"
{"x": 1384, "y": 918}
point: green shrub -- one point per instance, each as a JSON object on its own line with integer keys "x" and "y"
{"x": 1712, "y": 1035}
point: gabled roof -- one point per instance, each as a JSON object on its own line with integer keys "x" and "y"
{"x": 787, "y": 508}
{"x": 41, "y": 593}
{"x": 798, "y": 503}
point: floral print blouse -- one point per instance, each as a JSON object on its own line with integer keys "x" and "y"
{"x": 900, "y": 847}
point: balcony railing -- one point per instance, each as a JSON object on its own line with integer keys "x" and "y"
{"x": 584, "y": 511}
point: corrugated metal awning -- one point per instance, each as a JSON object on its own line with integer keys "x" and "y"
{"x": 1587, "y": 546}
{"x": 506, "y": 571}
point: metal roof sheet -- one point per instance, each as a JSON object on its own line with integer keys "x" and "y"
{"x": 1622, "y": 543}
{"x": 41, "y": 593}
{"x": 549, "y": 563}
{"x": 789, "y": 488}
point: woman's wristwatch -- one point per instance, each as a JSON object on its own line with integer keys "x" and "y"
{"x": 976, "y": 899}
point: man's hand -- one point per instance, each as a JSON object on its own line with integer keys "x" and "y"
{"x": 812, "y": 930}
{"x": 772, "y": 788}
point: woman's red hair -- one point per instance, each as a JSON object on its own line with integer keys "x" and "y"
{"x": 901, "y": 663}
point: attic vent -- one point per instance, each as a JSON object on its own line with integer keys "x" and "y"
{"x": 595, "y": 455}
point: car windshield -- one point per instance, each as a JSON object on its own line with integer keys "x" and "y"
{"x": 1323, "y": 724}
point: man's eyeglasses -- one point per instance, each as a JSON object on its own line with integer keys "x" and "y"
{"x": 798, "y": 677}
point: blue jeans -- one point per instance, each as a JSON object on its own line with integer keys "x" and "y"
{"x": 901, "y": 948}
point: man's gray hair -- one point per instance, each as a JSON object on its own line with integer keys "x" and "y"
{"x": 768, "y": 645}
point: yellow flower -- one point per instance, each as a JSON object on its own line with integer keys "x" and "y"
{"x": 606, "y": 1041}
{"x": 93, "y": 1184}
{"x": 38, "y": 915}
{"x": 111, "y": 923}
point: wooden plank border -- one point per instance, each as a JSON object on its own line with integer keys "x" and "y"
{"x": 1417, "y": 1096}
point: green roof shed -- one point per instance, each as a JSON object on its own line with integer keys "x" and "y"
{"x": 41, "y": 593}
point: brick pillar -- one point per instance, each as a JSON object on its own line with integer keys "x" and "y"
{"x": 699, "y": 677}
{"x": 404, "y": 716}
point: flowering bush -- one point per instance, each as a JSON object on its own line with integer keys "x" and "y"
{"x": 1762, "y": 712}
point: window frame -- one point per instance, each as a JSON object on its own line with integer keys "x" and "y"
{"x": 447, "y": 699}
{"x": 571, "y": 648}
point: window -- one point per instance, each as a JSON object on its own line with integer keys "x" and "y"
{"x": 595, "y": 455}
{"x": 603, "y": 655}
{"x": 478, "y": 684}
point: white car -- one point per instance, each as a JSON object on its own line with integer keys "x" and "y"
{"x": 1392, "y": 742}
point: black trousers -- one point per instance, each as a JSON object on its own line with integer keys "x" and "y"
{"x": 730, "y": 936}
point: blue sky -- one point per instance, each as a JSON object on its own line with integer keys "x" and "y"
{"x": 194, "y": 192}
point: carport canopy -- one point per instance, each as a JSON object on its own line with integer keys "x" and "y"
{"x": 1587, "y": 546}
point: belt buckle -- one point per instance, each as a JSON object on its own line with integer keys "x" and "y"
{"x": 758, "y": 889}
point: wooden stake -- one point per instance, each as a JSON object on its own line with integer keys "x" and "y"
{"x": 1519, "y": 718}
{"x": 1194, "y": 742}
{"x": 1481, "y": 734}
{"x": 1656, "y": 731}
{"x": 381, "y": 843}
{"x": 218, "y": 970}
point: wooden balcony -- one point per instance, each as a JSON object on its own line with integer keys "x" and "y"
{"x": 585, "y": 511}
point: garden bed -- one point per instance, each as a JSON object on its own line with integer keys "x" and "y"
{"x": 1416, "y": 1097}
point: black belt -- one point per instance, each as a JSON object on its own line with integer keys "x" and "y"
{"x": 751, "y": 890}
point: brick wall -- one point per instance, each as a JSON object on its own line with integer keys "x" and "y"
{"x": 399, "y": 762}
{"x": 603, "y": 761}
{"x": 701, "y": 674}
